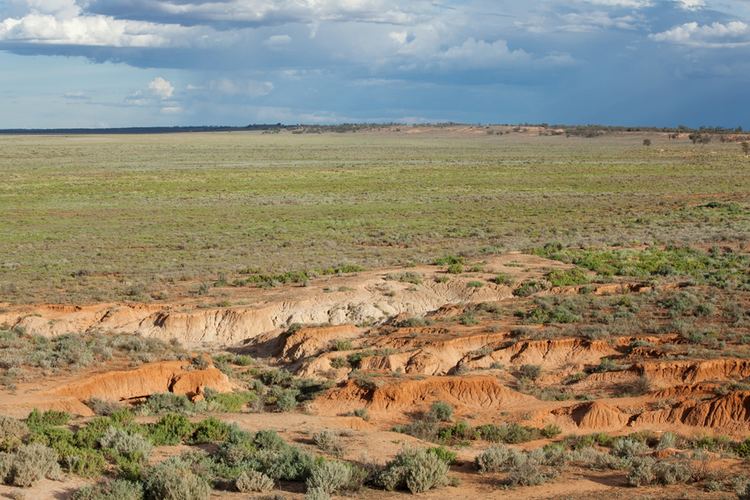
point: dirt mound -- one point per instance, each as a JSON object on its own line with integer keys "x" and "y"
{"x": 729, "y": 413}
{"x": 312, "y": 341}
{"x": 464, "y": 393}
{"x": 691, "y": 372}
{"x": 552, "y": 354}
{"x": 370, "y": 297}
{"x": 597, "y": 415}
{"x": 177, "y": 377}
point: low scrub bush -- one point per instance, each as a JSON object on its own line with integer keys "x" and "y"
{"x": 117, "y": 489}
{"x": 83, "y": 462}
{"x": 12, "y": 431}
{"x": 329, "y": 442}
{"x": 414, "y": 470}
{"x": 495, "y": 459}
{"x": 104, "y": 407}
{"x": 628, "y": 448}
{"x": 167, "y": 402}
{"x": 29, "y": 464}
{"x": 530, "y": 287}
{"x": 442, "y": 411}
{"x": 530, "y": 473}
{"x": 251, "y": 481}
{"x": 329, "y": 476}
{"x": 173, "y": 480}
{"x": 230, "y": 402}
{"x": 641, "y": 471}
{"x": 51, "y": 418}
{"x": 171, "y": 429}
{"x": 407, "y": 277}
{"x": 592, "y": 458}
{"x": 567, "y": 277}
{"x": 444, "y": 454}
{"x": 210, "y": 430}
{"x": 121, "y": 443}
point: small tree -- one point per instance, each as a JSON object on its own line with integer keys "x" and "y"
{"x": 746, "y": 148}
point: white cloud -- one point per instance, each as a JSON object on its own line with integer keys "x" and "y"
{"x": 597, "y": 20}
{"x": 61, "y": 8}
{"x": 481, "y": 54}
{"x": 715, "y": 35}
{"x": 275, "y": 41}
{"x": 691, "y": 4}
{"x": 249, "y": 88}
{"x": 634, "y": 4}
{"x": 171, "y": 110}
{"x": 272, "y": 12}
{"x": 95, "y": 31}
{"x": 161, "y": 88}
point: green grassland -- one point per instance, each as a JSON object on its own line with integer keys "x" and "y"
{"x": 87, "y": 218}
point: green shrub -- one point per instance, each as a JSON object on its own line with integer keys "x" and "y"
{"x": 286, "y": 464}
{"x": 502, "y": 279}
{"x": 329, "y": 476}
{"x": 567, "y": 277}
{"x": 89, "y": 435}
{"x": 117, "y": 489}
{"x": 173, "y": 480}
{"x": 531, "y": 372}
{"x": 285, "y": 399}
{"x": 210, "y": 430}
{"x": 171, "y": 429}
{"x": 475, "y": 284}
{"x": 530, "y": 287}
{"x": 449, "y": 260}
{"x": 230, "y": 402}
{"x": 415, "y": 470}
{"x": 455, "y": 268}
{"x": 168, "y": 402}
{"x": 269, "y": 440}
{"x": 442, "y": 411}
{"x": 550, "y": 430}
{"x": 50, "y": 418}
{"x": 341, "y": 345}
{"x": 444, "y": 454}
{"x": 468, "y": 318}
{"x": 251, "y": 481}
{"x": 83, "y": 462}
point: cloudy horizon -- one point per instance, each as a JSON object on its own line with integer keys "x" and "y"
{"x": 119, "y": 63}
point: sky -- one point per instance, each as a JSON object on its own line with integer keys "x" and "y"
{"x": 115, "y": 63}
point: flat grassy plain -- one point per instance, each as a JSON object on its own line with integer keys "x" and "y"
{"x": 92, "y": 218}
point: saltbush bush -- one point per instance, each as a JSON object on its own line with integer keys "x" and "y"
{"x": 251, "y": 481}
{"x": 329, "y": 476}
{"x": 29, "y": 464}
{"x": 173, "y": 480}
{"x": 415, "y": 470}
{"x": 117, "y": 489}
